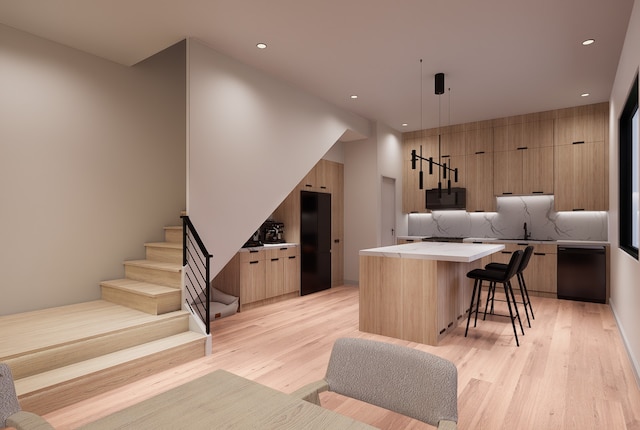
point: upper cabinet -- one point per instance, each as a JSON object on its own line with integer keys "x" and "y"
{"x": 562, "y": 152}
{"x": 523, "y": 158}
{"x": 581, "y": 161}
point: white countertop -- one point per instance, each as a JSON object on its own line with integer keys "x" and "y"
{"x": 441, "y": 251}
{"x": 267, "y": 246}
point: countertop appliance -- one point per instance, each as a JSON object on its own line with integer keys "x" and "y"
{"x": 315, "y": 242}
{"x": 582, "y": 273}
{"x": 443, "y": 200}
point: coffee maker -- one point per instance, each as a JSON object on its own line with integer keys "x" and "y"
{"x": 272, "y": 232}
{"x": 254, "y": 240}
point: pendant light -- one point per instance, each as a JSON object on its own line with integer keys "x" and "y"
{"x": 442, "y": 167}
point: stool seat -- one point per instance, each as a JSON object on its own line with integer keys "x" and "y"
{"x": 494, "y": 277}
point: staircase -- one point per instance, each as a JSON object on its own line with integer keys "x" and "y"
{"x": 63, "y": 355}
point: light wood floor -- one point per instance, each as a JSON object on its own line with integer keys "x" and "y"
{"x": 570, "y": 372}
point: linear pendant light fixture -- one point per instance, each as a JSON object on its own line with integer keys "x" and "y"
{"x": 442, "y": 167}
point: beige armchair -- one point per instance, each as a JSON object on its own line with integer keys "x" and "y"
{"x": 10, "y": 413}
{"x": 404, "y": 380}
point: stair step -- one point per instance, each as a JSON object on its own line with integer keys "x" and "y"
{"x": 173, "y": 233}
{"x": 154, "y": 272}
{"x": 150, "y": 298}
{"x": 168, "y": 252}
{"x": 54, "y": 389}
{"x": 69, "y": 334}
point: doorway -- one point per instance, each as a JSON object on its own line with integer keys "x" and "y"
{"x": 388, "y": 215}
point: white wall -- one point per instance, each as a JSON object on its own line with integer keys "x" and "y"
{"x": 625, "y": 270}
{"x": 92, "y": 165}
{"x": 251, "y": 138}
{"x": 366, "y": 162}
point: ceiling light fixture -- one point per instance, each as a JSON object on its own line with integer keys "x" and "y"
{"x": 584, "y": 95}
{"x": 354, "y": 96}
{"x": 404, "y": 124}
{"x": 261, "y": 45}
{"x": 588, "y": 42}
{"x": 442, "y": 167}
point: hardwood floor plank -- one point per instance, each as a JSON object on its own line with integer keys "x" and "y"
{"x": 570, "y": 372}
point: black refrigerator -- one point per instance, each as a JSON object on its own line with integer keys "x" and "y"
{"x": 315, "y": 242}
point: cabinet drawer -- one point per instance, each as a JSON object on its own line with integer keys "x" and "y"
{"x": 251, "y": 255}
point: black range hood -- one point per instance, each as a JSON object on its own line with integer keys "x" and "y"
{"x": 436, "y": 199}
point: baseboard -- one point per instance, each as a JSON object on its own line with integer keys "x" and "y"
{"x": 634, "y": 363}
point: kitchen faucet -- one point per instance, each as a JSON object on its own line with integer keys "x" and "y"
{"x": 527, "y": 235}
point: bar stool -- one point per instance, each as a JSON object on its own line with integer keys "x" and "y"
{"x": 524, "y": 262}
{"x": 493, "y": 277}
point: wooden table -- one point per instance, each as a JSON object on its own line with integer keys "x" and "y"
{"x": 222, "y": 400}
{"x": 417, "y": 291}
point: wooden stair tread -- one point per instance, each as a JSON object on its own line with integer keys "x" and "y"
{"x": 158, "y": 265}
{"x": 63, "y": 374}
{"x": 143, "y": 288}
{"x": 39, "y": 330}
{"x": 172, "y": 245}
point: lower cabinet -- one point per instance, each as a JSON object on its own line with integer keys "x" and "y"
{"x": 540, "y": 274}
{"x": 259, "y": 276}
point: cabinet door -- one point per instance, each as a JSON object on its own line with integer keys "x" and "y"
{"x": 252, "y": 281}
{"x": 579, "y": 182}
{"x": 585, "y": 128}
{"x": 507, "y": 173}
{"x": 337, "y": 228}
{"x": 274, "y": 272}
{"x": 452, "y": 144}
{"x": 453, "y": 162}
{"x": 537, "y": 170}
{"x": 291, "y": 280}
{"x": 479, "y": 173}
{"x": 479, "y": 141}
{"x": 540, "y": 274}
{"x": 537, "y": 134}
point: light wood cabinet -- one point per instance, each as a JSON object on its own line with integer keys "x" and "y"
{"x": 523, "y": 158}
{"x": 321, "y": 178}
{"x": 252, "y": 277}
{"x": 413, "y": 198}
{"x": 581, "y": 162}
{"x": 260, "y": 276}
{"x": 479, "y": 173}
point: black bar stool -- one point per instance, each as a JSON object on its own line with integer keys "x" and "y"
{"x": 524, "y": 262}
{"x": 493, "y": 277}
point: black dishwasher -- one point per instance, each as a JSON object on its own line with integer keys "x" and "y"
{"x": 582, "y": 273}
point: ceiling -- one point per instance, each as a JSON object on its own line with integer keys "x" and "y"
{"x": 499, "y": 57}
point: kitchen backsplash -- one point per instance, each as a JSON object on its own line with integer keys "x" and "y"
{"x": 508, "y": 222}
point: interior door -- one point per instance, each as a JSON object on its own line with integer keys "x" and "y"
{"x": 388, "y": 215}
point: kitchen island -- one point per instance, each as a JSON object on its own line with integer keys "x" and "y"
{"x": 418, "y": 291}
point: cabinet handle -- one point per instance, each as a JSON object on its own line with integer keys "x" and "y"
{"x": 578, "y": 209}
{"x": 322, "y": 187}
{"x": 284, "y": 248}
{"x": 443, "y": 330}
{"x": 446, "y": 156}
{"x": 253, "y": 251}
{"x": 479, "y": 152}
{"x": 274, "y": 259}
{"x": 520, "y": 148}
{"x": 308, "y": 185}
{"x": 507, "y": 194}
{"x": 292, "y": 257}
{"x": 253, "y": 262}
{"x": 537, "y": 192}
{"x": 579, "y": 142}
{"x": 539, "y": 253}
{"x": 505, "y": 252}
{"x": 336, "y": 241}
{"x": 522, "y": 244}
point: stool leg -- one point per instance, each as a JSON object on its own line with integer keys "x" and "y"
{"x": 475, "y": 321}
{"x": 524, "y": 298}
{"x": 515, "y": 305}
{"x": 513, "y": 324}
{"x": 490, "y": 295}
{"x": 526, "y": 292}
{"x": 473, "y": 295}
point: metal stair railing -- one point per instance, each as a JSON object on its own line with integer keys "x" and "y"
{"x": 196, "y": 261}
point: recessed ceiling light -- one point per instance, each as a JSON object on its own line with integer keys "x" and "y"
{"x": 404, "y": 124}
{"x": 354, "y": 96}
{"x": 588, "y": 42}
{"x": 261, "y": 45}
{"x": 584, "y": 95}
